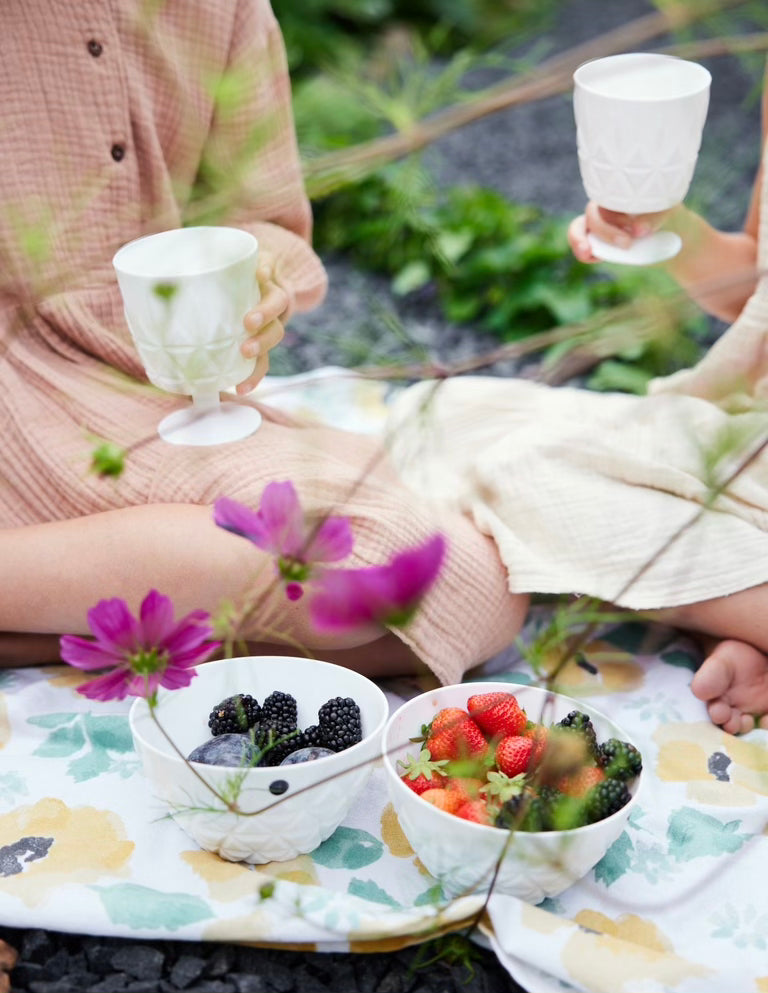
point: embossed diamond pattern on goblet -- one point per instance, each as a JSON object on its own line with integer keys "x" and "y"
{"x": 639, "y": 122}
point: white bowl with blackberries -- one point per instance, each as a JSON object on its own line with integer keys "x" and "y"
{"x": 261, "y": 758}
{"x": 511, "y": 788}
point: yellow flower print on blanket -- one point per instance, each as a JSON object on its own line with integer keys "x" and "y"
{"x": 605, "y": 669}
{"x": 624, "y": 953}
{"x": 717, "y": 768}
{"x": 49, "y": 844}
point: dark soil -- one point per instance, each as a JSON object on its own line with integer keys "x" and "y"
{"x": 527, "y": 153}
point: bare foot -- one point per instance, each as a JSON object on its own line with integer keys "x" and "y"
{"x": 8, "y": 958}
{"x": 733, "y": 682}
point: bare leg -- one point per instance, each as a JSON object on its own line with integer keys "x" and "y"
{"x": 386, "y": 656}
{"x": 733, "y": 678}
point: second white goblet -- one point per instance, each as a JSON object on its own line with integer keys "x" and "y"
{"x": 639, "y": 123}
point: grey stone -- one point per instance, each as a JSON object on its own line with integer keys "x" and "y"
{"x": 114, "y": 983}
{"x": 186, "y": 969}
{"x": 248, "y": 982}
{"x": 139, "y": 961}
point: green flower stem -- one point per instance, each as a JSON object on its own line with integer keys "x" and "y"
{"x": 232, "y": 807}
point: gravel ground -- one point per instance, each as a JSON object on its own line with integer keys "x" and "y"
{"x": 527, "y": 153}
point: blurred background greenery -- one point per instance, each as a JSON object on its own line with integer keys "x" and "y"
{"x": 369, "y": 77}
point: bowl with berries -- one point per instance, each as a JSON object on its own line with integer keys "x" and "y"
{"x": 260, "y": 758}
{"x": 513, "y": 788}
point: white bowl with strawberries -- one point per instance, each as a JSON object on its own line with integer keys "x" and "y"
{"x": 510, "y": 787}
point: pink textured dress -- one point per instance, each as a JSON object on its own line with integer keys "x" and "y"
{"x": 108, "y": 119}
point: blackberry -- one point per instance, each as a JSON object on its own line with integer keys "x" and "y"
{"x": 280, "y": 713}
{"x": 277, "y": 732}
{"x": 582, "y": 723}
{"x": 235, "y": 715}
{"x": 605, "y": 799}
{"x": 526, "y": 812}
{"x": 619, "y": 759}
{"x": 308, "y": 738}
{"x": 273, "y": 745}
{"x": 339, "y": 724}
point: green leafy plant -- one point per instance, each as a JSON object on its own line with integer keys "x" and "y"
{"x": 500, "y": 266}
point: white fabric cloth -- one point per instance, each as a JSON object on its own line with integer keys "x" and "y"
{"x": 578, "y": 488}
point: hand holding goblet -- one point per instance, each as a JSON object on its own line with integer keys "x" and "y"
{"x": 186, "y": 293}
{"x": 639, "y": 122}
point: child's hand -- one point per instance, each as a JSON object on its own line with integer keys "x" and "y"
{"x": 609, "y": 225}
{"x": 264, "y": 323}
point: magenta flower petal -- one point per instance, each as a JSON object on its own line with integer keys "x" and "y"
{"x": 283, "y": 520}
{"x": 85, "y": 654}
{"x": 156, "y": 617}
{"x": 332, "y": 542}
{"x": 187, "y": 636}
{"x": 241, "y": 520}
{"x": 350, "y": 598}
{"x": 111, "y": 686}
{"x": 338, "y": 604}
{"x": 176, "y": 678}
{"x": 413, "y": 571}
{"x": 113, "y": 624}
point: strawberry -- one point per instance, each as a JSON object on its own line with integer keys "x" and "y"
{"x": 443, "y": 799}
{"x": 476, "y": 811}
{"x": 447, "y": 717}
{"x": 497, "y": 713}
{"x": 513, "y": 755}
{"x": 538, "y": 735}
{"x": 459, "y": 740}
{"x": 466, "y": 787}
{"x": 581, "y": 782}
{"x": 422, "y": 773}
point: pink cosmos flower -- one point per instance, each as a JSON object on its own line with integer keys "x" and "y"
{"x": 142, "y": 652}
{"x": 387, "y": 594}
{"x": 279, "y": 527}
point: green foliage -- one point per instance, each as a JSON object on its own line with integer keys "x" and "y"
{"x": 453, "y": 949}
{"x": 503, "y": 267}
{"x": 319, "y": 32}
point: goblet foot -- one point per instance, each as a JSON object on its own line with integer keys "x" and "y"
{"x": 658, "y": 247}
{"x": 209, "y": 425}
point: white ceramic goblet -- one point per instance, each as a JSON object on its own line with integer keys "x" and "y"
{"x": 185, "y": 294}
{"x": 639, "y": 123}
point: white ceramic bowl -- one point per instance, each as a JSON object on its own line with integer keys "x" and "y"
{"x": 319, "y": 794}
{"x": 463, "y": 855}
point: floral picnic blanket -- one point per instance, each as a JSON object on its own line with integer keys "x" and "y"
{"x": 678, "y": 903}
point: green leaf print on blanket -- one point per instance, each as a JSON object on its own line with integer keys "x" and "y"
{"x": 369, "y": 890}
{"x": 348, "y": 848}
{"x": 140, "y": 907}
{"x": 12, "y": 787}
{"x": 97, "y": 744}
{"x": 743, "y": 926}
{"x": 684, "y": 660}
{"x": 693, "y": 834}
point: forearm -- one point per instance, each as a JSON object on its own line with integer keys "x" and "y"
{"x": 51, "y": 574}
{"x": 716, "y": 269}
